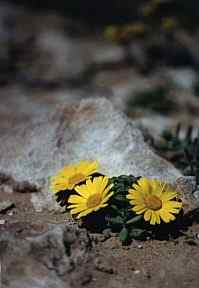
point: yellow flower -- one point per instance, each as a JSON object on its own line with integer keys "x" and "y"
{"x": 124, "y": 32}
{"x": 92, "y": 196}
{"x": 137, "y": 29}
{"x": 154, "y": 199}
{"x": 150, "y": 8}
{"x": 71, "y": 175}
{"x": 168, "y": 23}
{"x": 111, "y": 33}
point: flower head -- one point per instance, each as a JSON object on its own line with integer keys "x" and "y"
{"x": 154, "y": 199}
{"x": 168, "y": 23}
{"x": 91, "y": 197}
{"x": 125, "y": 32}
{"x": 71, "y": 175}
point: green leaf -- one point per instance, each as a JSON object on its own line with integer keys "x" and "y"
{"x": 120, "y": 197}
{"x": 124, "y": 234}
{"x": 116, "y": 220}
{"x": 114, "y": 207}
{"x": 136, "y": 233}
{"x": 134, "y": 219}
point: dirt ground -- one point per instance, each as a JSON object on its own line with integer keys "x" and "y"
{"x": 151, "y": 263}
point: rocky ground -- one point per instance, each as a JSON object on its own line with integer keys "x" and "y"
{"x": 68, "y": 98}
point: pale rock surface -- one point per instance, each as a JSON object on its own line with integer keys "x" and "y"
{"x": 92, "y": 129}
{"x": 60, "y": 57}
{"x": 184, "y": 79}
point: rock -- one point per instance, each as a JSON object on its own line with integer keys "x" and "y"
{"x": 138, "y": 53}
{"x": 8, "y": 13}
{"x": 103, "y": 267}
{"x": 186, "y": 186}
{"x": 155, "y": 124}
{"x": 196, "y": 195}
{"x": 6, "y": 205}
{"x": 136, "y": 272}
{"x": 47, "y": 52}
{"x": 182, "y": 78}
{"x": 124, "y": 85}
{"x": 55, "y": 57}
{"x": 55, "y": 258}
{"x": 10, "y": 185}
{"x": 35, "y": 150}
{"x": 105, "y": 52}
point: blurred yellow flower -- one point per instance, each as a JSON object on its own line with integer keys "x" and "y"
{"x": 92, "y": 196}
{"x": 168, "y": 23}
{"x": 150, "y": 7}
{"x": 148, "y": 10}
{"x": 154, "y": 199}
{"x": 111, "y": 33}
{"x": 137, "y": 29}
{"x": 124, "y": 32}
{"x": 71, "y": 175}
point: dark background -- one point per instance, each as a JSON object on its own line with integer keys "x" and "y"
{"x": 113, "y": 11}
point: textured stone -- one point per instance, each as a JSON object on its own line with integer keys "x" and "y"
{"x": 186, "y": 185}
{"x": 51, "y": 259}
{"x": 35, "y": 150}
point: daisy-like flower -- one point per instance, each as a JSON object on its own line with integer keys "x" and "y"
{"x": 154, "y": 199}
{"x": 91, "y": 197}
{"x": 71, "y": 175}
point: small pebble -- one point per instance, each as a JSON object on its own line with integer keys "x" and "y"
{"x": 137, "y": 272}
{"x": 196, "y": 195}
{"x": 2, "y": 221}
{"x": 140, "y": 246}
{"x": 197, "y": 236}
{"x": 10, "y": 213}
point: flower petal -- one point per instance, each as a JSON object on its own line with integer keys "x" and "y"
{"x": 172, "y": 204}
{"x": 107, "y": 197}
{"x": 144, "y": 183}
{"x": 158, "y": 218}
{"x": 84, "y": 213}
{"x": 139, "y": 211}
{"x": 166, "y": 216}
{"x": 106, "y": 191}
{"x": 76, "y": 199}
{"x": 83, "y": 191}
{"x": 139, "y": 207}
{"x": 147, "y": 215}
{"x": 166, "y": 196}
{"x": 77, "y": 210}
{"x": 100, "y": 206}
{"x": 153, "y": 218}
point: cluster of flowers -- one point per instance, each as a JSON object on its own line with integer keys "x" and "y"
{"x": 83, "y": 190}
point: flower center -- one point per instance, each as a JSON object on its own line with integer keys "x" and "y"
{"x": 153, "y": 202}
{"x": 94, "y": 200}
{"x": 76, "y": 179}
